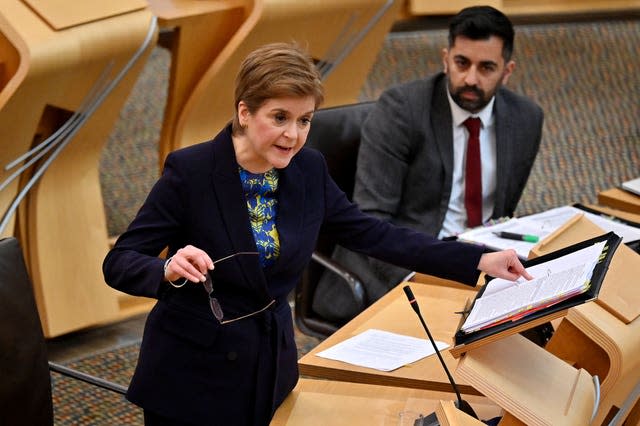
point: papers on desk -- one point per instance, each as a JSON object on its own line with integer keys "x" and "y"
{"x": 542, "y": 225}
{"x": 632, "y": 186}
{"x": 381, "y": 350}
{"x": 554, "y": 281}
{"x": 486, "y": 236}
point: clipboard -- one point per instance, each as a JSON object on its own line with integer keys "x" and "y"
{"x": 464, "y": 342}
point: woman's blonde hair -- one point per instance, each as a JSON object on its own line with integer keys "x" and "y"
{"x": 275, "y": 70}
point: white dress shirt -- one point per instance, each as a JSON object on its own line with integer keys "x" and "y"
{"x": 455, "y": 219}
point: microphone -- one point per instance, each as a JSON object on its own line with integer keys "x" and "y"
{"x": 462, "y": 405}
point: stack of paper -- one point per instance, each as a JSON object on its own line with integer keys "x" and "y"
{"x": 554, "y": 281}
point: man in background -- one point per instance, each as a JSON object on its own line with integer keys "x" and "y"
{"x": 441, "y": 154}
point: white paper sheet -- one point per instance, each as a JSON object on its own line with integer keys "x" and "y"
{"x": 381, "y": 350}
{"x": 485, "y": 236}
{"x": 632, "y": 186}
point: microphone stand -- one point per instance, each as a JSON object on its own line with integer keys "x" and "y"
{"x": 464, "y": 406}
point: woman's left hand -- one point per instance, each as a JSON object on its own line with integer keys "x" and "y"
{"x": 503, "y": 264}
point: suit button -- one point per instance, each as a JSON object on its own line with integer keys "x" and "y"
{"x": 232, "y": 356}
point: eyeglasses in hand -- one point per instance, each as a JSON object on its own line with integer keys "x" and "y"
{"x": 213, "y": 300}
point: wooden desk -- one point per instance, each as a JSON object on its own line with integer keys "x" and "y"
{"x": 602, "y": 336}
{"x": 393, "y": 313}
{"x": 620, "y": 199}
{"x": 325, "y": 402}
{"x": 622, "y": 214}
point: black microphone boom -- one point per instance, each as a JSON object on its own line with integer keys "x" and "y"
{"x": 461, "y": 404}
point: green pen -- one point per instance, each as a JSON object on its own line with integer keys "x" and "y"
{"x": 517, "y": 237}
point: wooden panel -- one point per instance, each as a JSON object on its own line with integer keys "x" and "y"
{"x": 325, "y": 402}
{"x": 9, "y": 61}
{"x": 62, "y": 223}
{"x": 620, "y": 199}
{"x": 180, "y": 12}
{"x": 324, "y": 27}
{"x": 619, "y": 341}
{"x": 533, "y": 385}
{"x": 201, "y": 29}
{"x": 522, "y": 7}
{"x": 446, "y": 7}
{"x": 449, "y": 415}
{"x": 61, "y": 14}
{"x": 616, "y": 213}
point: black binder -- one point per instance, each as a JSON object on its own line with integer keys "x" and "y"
{"x": 466, "y": 341}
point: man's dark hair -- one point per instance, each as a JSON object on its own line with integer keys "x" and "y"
{"x": 480, "y": 23}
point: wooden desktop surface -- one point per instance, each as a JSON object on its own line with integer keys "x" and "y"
{"x": 620, "y": 199}
{"x": 438, "y": 304}
{"x": 622, "y": 214}
{"x": 326, "y": 402}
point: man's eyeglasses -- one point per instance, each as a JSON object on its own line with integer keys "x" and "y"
{"x": 213, "y": 300}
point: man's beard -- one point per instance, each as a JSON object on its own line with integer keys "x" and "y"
{"x": 467, "y": 104}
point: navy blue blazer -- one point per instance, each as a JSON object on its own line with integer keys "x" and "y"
{"x": 193, "y": 368}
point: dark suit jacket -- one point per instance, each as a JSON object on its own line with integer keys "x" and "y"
{"x": 405, "y": 169}
{"x": 191, "y": 367}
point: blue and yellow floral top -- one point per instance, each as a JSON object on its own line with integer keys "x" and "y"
{"x": 260, "y": 192}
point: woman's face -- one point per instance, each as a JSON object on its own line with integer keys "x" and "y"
{"x": 274, "y": 133}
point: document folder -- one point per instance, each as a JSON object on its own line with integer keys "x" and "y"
{"x": 536, "y": 315}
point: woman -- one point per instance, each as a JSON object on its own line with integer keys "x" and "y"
{"x": 255, "y": 200}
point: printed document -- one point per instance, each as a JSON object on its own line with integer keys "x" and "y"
{"x": 554, "y": 281}
{"x": 542, "y": 225}
{"x": 381, "y": 350}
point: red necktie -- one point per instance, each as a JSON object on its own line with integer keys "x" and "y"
{"x": 473, "y": 176}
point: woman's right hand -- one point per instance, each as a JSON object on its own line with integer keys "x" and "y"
{"x": 188, "y": 262}
{"x": 503, "y": 264}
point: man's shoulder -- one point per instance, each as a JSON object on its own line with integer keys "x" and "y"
{"x": 417, "y": 95}
{"x": 520, "y": 109}
{"x": 417, "y": 86}
{"x": 516, "y": 100}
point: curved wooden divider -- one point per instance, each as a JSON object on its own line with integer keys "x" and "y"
{"x": 326, "y": 28}
{"x": 199, "y": 30}
{"x": 534, "y": 387}
{"x": 593, "y": 339}
{"x": 75, "y": 78}
{"x": 603, "y": 336}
